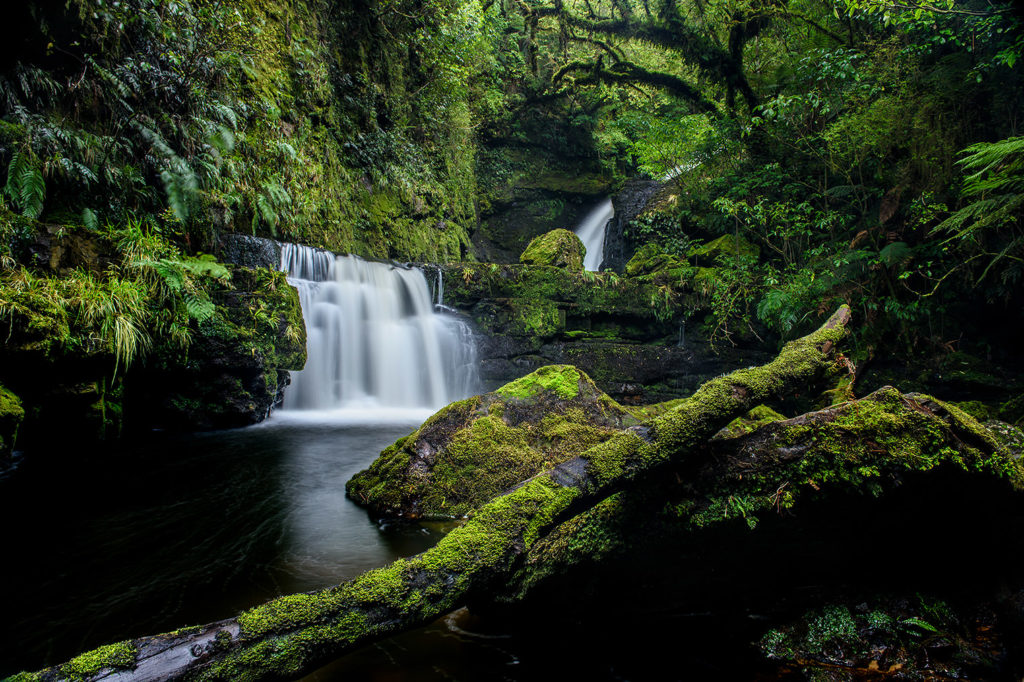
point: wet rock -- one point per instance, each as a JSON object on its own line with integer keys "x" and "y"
{"x": 249, "y": 251}
{"x": 477, "y": 448}
{"x": 557, "y": 248}
{"x": 650, "y": 259}
{"x": 628, "y": 204}
{"x": 724, "y": 249}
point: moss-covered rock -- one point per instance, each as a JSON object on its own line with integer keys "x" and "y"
{"x": 477, "y": 448}
{"x": 725, "y": 248}
{"x": 11, "y": 416}
{"x": 237, "y": 363}
{"x": 650, "y": 259}
{"x": 558, "y": 248}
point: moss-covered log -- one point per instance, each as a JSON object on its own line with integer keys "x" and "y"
{"x": 292, "y": 635}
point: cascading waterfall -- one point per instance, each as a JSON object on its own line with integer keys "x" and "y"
{"x": 591, "y": 232}
{"x": 373, "y": 337}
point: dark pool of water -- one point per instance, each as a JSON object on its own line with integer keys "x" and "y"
{"x": 174, "y": 530}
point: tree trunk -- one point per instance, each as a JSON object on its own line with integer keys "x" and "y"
{"x": 295, "y": 634}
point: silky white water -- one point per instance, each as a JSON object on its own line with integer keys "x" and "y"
{"x": 591, "y": 232}
{"x": 373, "y": 338}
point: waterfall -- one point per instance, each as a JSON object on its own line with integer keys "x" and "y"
{"x": 373, "y": 337}
{"x": 591, "y": 233}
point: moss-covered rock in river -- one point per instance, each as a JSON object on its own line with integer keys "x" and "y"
{"x": 11, "y": 416}
{"x": 558, "y": 248}
{"x": 477, "y": 448}
{"x": 236, "y": 365}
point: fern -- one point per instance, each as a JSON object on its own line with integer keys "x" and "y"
{"x": 25, "y": 186}
{"x": 996, "y": 183}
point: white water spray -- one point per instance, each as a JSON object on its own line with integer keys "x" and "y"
{"x": 373, "y": 338}
{"x": 591, "y": 232}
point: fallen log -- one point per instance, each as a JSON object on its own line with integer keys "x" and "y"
{"x": 295, "y": 634}
{"x": 868, "y": 448}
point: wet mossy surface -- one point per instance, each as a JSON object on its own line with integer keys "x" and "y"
{"x": 112, "y": 657}
{"x": 855, "y": 502}
{"x": 866, "y": 448}
{"x": 723, "y": 250}
{"x": 651, "y": 259}
{"x": 11, "y": 416}
{"x": 630, "y": 334}
{"x": 475, "y": 449}
{"x": 558, "y": 248}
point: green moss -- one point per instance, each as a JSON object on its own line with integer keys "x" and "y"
{"x": 727, "y": 247}
{"x": 564, "y": 380}
{"x": 534, "y": 318}
{"x": 750, "y": 422}
{"x": 624, "y": 307}
{"x": 558, "y": 248}
{"x": 651, "y": 259}
{"x": 866, "y": 446}
{"x": 471, "y": 451}
{"x": 120, "y": 656}
{"x": 646, "y": 412}
{"x": 976, "y": 409}
{"x": 11, "y": 416}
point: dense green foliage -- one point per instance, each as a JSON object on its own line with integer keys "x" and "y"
{"x": 307, "y": 121}
{"x": 873, "y": 160}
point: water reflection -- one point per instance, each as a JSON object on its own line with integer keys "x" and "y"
{"x": 174, "y": 530}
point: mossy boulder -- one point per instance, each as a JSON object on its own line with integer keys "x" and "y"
{"x": 475, "y": 449}
{"x": 652, "y": 259}
{"x": 11, "y": 416}
{"x": 724, "y": 249}
{"x": 558, "y": 248}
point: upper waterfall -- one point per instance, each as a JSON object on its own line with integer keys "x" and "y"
{"x": 373, "y": 336}
{"x": 591, "y": 232}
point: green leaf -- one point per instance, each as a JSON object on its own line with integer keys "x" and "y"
{"x": 923, "y": 624}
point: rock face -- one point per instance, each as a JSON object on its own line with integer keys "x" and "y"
{"x": 543, "y": 175}
{"x": 628, "y": 204}
{"x": 627, "y": 333}
{"x": 249, "y": 251}
{"x": 558, "y": 248}
{"x": 238, "y": 360}
{"x": 477, "y": 448}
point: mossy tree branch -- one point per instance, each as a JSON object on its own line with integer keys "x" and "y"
{"x": 626, "y": 73}
{"x": 293, "y": 635}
